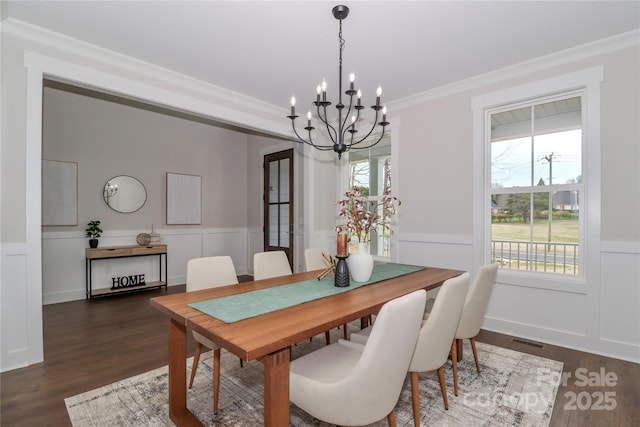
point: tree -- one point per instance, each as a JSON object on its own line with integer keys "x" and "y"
{"x": 364, "y": 191}
{"x": 359, "y": 174}
{"x": 541, "y": 200}
{"x": 519, "y": 205}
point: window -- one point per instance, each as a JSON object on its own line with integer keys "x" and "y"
{"x": 536, "y": 184}
{"x": 370, "y": 173}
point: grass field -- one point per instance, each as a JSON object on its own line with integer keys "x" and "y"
{"x": 562, "y": 231}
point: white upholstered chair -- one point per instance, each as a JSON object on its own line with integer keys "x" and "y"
{"x": 435, "y": 339}
{"x": 352, "y": 384}
{"x": 475, "y": 307}
{"x": 270, "y": 264}
{"x": 313, "y": 259}
{"x": 204, "y": 273}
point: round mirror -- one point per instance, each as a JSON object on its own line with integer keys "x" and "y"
{"x": 124, "y": 194}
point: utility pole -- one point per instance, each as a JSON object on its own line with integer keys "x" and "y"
{"x": 549, "y": 158}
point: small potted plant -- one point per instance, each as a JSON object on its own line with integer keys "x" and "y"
{"x": 93, "y": 232}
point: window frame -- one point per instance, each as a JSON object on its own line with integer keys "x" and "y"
{"x": 378, "y": 197}
{"x": 586, "y": 81}
{"x": 533, "y": 188}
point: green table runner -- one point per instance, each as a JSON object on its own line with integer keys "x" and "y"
{"x": 243, "y": 306}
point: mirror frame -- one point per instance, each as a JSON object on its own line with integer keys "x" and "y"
{"x": 108, "y": 187}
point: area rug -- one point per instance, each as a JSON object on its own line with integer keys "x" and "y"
{"x": 512, "y": 389}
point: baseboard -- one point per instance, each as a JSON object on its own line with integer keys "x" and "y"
{"x": 579, "y": 342}
{"x": 15, "y": 360}
{"x": 65, "y": 296}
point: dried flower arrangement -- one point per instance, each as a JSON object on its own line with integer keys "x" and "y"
{"x": 364, "y": 215}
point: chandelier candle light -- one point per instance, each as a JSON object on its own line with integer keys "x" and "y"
{"x": 341, "y": 141}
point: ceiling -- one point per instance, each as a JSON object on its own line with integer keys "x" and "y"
{"x": 270, "y": 49}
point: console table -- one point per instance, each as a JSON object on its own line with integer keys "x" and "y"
{"x": 93, "y": 254}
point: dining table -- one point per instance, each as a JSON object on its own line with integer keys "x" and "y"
{"x": 267, "y": 333}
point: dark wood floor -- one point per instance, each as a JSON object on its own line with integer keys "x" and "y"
{"x": 91, "y": 344}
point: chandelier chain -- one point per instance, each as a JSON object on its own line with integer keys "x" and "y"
{"x": 339, "y": 135}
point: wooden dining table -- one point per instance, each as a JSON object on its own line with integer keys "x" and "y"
{"x": 268, "y": 337}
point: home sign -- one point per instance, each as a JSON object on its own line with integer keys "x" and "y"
{"x": 127, "y": 281}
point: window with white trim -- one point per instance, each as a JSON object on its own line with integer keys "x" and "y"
{"x": 536, "y": 183}
{"x": 370, "y": 173}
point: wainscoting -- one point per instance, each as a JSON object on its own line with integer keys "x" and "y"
{"x": 63, "y": 259}
{"x": 21, "y": 308}
{"x": 597, "y": 315}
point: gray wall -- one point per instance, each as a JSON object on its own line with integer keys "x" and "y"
{"x": 107, "y": 139}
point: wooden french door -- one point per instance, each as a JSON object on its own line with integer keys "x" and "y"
{"x": 278, "y": 203}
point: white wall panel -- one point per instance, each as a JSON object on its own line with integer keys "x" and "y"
{"x": 541, "y": 308}
{"x": 453, "y": 252}
{"x": 228, "y": 242}
{"x": 63, "y": 267}
{"x": 13, "y": 303}
{"x": 181, "y": 247}
{"x": 619, "y": 297}
{"x": 299, "y": 252}
{"x": 256, "y": 244}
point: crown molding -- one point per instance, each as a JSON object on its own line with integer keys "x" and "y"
{"x": 20, "y": 29}
{"x": 51, "y": 39}
{"x": 563, "y": 57}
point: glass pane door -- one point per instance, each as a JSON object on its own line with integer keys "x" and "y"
{"x": 278, "y": 203}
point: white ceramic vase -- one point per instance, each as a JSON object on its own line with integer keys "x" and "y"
{"x": 361, "y": 263}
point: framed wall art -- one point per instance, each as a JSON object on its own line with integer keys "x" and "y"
{"x": 184, "y": 199}
{"x": 59, "y": 193}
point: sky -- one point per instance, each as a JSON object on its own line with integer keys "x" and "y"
{"x": 512, "y": 159}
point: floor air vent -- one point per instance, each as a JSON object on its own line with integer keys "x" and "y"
{"x": 531, "y": 343}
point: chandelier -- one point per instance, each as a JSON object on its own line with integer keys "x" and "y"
{"x": 343, "y": 133}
